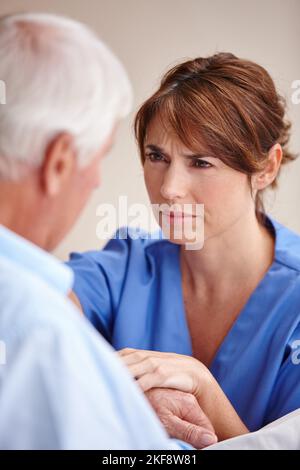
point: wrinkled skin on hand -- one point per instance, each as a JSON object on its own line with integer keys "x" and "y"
{"x": 182, "y": 416}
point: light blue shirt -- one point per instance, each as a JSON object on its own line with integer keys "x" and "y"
{"x": 61, "y": 385}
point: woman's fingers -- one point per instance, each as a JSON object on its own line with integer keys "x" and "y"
{"x": 137, "y": 369}
{"x": 156, "y": 369}
{"x": 162, "y": 377}
{"x": 142, "y": 353}
{"x": 148, "y": 381}
{"x": 135, "y": 357}
{"x": 124, "y": 352}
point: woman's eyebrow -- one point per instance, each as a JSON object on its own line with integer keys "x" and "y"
{"x": 155, "y": 148}
{"x": 190, "y": 156}
{"x": 195, "y": 156}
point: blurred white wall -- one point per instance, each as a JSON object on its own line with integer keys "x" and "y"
{"x": 149, "y": 36}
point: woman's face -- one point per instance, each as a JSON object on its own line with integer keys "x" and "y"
{"x": 175, "y": 175}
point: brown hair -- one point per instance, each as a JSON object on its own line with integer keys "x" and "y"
{"x": 228, "y": 103}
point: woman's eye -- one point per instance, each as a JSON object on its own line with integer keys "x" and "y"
{"x": 154, "y": 157}
{"x": 201, "y": 164}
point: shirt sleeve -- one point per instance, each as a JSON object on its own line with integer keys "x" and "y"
{"x": 64, "y": 388}
{"x": 52, "y": 399}
{"x": 285, "y": 396}
{"x": 283, "y": 434}
{"x": 98, "y": 281}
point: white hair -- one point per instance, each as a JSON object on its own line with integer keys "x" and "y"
{"x": 59, "y": 77}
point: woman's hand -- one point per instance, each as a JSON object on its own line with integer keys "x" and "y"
{"x": 154, "y": 369}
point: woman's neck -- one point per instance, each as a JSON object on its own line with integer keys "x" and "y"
{"x": 240, "y": 255}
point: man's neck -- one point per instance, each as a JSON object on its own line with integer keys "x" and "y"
{"x": 19, "y": 211}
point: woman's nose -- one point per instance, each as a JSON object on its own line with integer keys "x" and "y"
{"x": 174, "y": 185}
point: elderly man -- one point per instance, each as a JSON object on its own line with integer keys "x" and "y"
{"x": 61, "y": 385}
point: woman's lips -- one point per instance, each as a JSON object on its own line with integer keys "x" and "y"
{"x": 178, "y": 215}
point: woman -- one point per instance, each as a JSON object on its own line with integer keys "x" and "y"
{"x": 214, "y": 134}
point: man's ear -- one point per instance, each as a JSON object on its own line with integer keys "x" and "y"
{"x": 266, "y": 177}
{"x": 59, "y": 164}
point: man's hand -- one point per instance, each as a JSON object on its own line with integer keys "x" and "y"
{"x": 182, "y": 416}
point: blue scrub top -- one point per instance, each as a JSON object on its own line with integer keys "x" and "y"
{"x": 131, "y": 291}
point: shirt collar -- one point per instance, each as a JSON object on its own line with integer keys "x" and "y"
{"x": 29, "y": 256}
{"x": 287, "y": 243}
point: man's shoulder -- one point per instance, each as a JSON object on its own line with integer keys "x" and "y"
{"x": 27, "y": 300}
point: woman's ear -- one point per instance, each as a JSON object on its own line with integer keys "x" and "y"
{"x": 59, "y": 164}
{"x": 264, "y": 178}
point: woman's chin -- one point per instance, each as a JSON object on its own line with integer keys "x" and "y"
{"x": 188, "y": 238}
